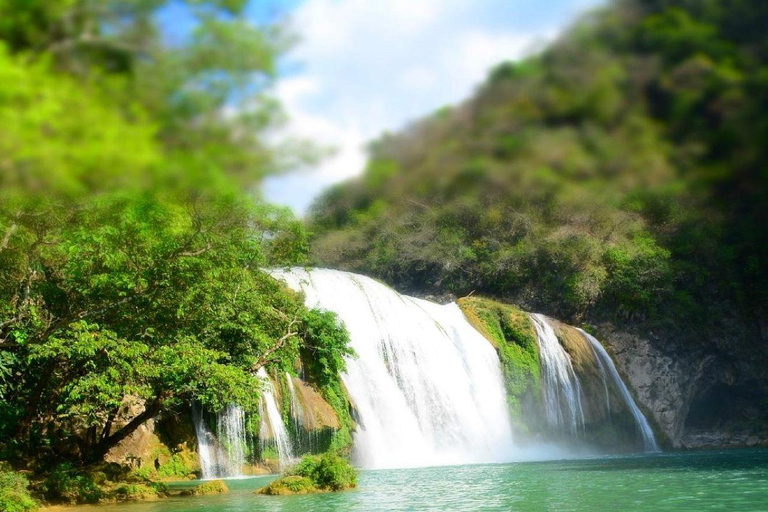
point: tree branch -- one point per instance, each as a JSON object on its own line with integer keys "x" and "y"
{"x": 277, "y": 346}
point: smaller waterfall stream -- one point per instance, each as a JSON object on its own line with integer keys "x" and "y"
{"x": 274, "y": 420}
{"x": 222, "y": 456}
{"x": 562, "y": 391}
{"x": 649, "y": 441}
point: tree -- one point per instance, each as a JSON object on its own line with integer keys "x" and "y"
{"x": 131, "y": 247}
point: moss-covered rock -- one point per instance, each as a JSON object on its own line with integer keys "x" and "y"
{"x": 207, "y": 488}
{"x": 289, "y": 484}
{"x": 140, "y": 491}
{"x": 510, "y": 331}
{"x": 315, "y": 473}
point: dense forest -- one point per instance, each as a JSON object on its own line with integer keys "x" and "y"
{"x": 620, "y": 175}
{"x": 131, "y": 242}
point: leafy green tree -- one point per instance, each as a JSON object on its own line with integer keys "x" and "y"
{"x": 131, "y": 245}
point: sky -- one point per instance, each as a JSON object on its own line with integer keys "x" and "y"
{"x": 364, "y": 67}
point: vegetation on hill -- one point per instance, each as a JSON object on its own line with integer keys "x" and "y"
{"x": 130, "y": 243}
{"x": 618, "y": 175}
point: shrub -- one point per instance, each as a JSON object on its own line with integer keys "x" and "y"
{"x": 315, "y": 473}
{"x": 14, "y": 493}
{"x": 68, "y": 484}
{"x": 328, "y": 472}
{"x": 289, "y": 485}
{"x": 212, "y": 487}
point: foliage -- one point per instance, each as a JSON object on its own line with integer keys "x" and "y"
{"x": 130, "y": 240}
{"x": 14, "y": 493}
{"x": 315, "y": 473}
{"x": 511, "y": 333}
{"x": 178, "y": 466}
{"x": 618, "y": 175}
{"x": 70, "y": 484}
{"x": 291, "y": 484}
{"x": 328, "y": 471}
{"x": 206, "y": 488}
{"x": 140, "y": 491}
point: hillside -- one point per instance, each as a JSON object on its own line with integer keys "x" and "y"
{"x": 617, "y": 179}
{"x": 619, "y": 175}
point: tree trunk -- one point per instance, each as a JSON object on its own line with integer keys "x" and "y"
{"x": 101, "y": 448}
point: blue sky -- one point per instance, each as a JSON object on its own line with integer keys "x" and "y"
{"x": 363, "y": 67}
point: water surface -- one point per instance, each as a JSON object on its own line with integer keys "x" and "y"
{"x": 733, "y": 481}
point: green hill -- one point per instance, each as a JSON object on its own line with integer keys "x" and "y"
{"x": 620, "y": 175}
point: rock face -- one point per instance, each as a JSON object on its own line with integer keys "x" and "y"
{"x": 702, "y": 395}
{"x": 165, "y": 446}
{"x": 696, "y": 399}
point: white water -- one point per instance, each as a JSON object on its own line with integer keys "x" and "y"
{"x": 427, "y": 386}
{"x": 221, "y": 457}
{"x": 224, "y": 455}
{"x": 562, "y": 391}
{"x": 297, "y": 410}
{"x": 272, "y": 422}
{"x": 649, "y": 441}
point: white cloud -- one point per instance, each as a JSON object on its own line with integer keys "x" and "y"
{"x": 373, "y": 65}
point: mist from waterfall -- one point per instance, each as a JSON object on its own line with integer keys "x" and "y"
{"x": 427, "y": 387}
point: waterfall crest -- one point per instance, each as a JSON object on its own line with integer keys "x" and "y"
{"x": 427, "y": 386}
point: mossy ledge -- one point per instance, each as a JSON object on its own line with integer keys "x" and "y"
{"x": 325, "y": 473}
{"x": 510, "y": 331}
{"x": 207, "y": 488}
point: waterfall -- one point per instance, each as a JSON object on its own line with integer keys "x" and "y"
{"x": 426, "y": 385}
{"x": 603, "y": 375}
{"x": 222, "y": 456}
{"x": 562, "y": 391}
{"x": 272, "y": 423}
{"x": 649, "y": 441}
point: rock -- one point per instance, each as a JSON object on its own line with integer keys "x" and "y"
{"x": 292, "y": 484}
{"x": 207, "y": 488}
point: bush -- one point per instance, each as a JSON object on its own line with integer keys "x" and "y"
{"x": 14, "y": 493}
{"x": 212, "y": 487}
{"x": 329, "y": 471}
{"x": 68, "y": 484}
{"x": 289, "y": 485}
{"x": 315, "y": 473}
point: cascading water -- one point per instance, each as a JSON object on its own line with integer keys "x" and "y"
{"x": 272, "y": 423}
{"x": 605, "y": 361}
{"x": 222, "y": 456}
{"x": 427, "y": 386}
{"x": 562, "y": 391}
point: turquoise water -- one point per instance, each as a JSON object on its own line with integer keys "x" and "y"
{"x": 729, "y": 481}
